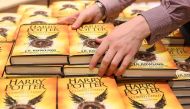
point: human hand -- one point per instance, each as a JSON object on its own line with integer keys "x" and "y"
{"x": 91, "y": 14}
{"x": 120, "y": 46}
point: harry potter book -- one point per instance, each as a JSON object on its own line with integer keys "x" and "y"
{"x": 5, "y": 49}
{"x": 28, "y": 93}
{"x": 179, "y": 83}
{"x": 83, "y": 44}
{"x": 148, "y": 95}
{"x": 181, "y": 56}
{"x": 175, "y": 37}
{"x": 25, "y": 70}
{"x": 186, "y": 106}
{"x": 66, "y": 8}
{"x": 184, "y": 100}
{"x": 41, "y": 45}
{"x": 10, "y": 76}
{"x": 151, "y": 61}
{"x": 181, "y": 92}
{"x": 79, "y": 70}
{"x": 9, "y": 19}
{"x": 89, "y": 93}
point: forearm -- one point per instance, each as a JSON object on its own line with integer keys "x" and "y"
{"x": 170, "y": 15}
{"x": 114, "y": 7}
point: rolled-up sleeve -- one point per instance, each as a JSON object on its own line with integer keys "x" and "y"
{"x": 114, "y": 7}
{"x": 167, "y": 17}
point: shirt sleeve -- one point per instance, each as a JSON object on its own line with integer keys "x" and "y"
{"x": 114, "y": 7}
{"x": 167, "y": 17}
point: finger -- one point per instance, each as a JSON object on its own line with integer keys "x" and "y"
{"x": 79, "y": 21}
{"x": 99, "y": 53}
{"x": 115, "y": 62}
{"x": 106, "y": 61}
{"x": 124, "y": 65}
{"x": 68, "y": 20}
{"x": 99, "y": 40}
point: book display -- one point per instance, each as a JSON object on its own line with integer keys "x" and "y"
{"x": 45, "y": 64}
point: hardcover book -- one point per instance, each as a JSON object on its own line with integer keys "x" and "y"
{"x": 186, "y": 106}
{"x": 10, "y": 76}
{"x": 83, "y": 44}
{"x": 28, "y": 93}
{"x": 179, "y": 83}
{"x": 9, "y": 19}
{"x": 79, "y": 70}
{"x": 151, "y": 61}
{"x": 24, "y": 70}
{"x": 175, "y": 37}
{"x": 184, "y": 100}
{"x": 66, "y": 8}
{"x": 5, "y": 49}
{"x": 181, "y": 56}
{"x": 89, "y": 93}
{"x": 41, "y": 44}
{"x": 181, "y": 92}
{"x": 148, "y": 95}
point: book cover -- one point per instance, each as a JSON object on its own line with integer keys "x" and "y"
{"x": 9, "y": 19}
{"x": 152, "y": 57}
{"x": 148, "y": 95}
{"x": 181, "y": 56}
{"x": 66, "y": 8}
{"x": 41, "y": 40}
{"x": 28, "y": 93}
{"x": 88, "y": 93}
{"x": 5, "y": 49}
{"x": 82, "y": 40}
{"x": 7, "y": 33}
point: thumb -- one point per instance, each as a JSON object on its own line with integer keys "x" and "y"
{"x": 78, "y": 21}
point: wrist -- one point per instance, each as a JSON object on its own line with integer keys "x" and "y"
{"x": 142, "y": 27}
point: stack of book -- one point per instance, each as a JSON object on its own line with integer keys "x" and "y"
{"x": 181, "y": 84}
{"x": 8, "y": 26}
{"x": 44, "y": 48}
